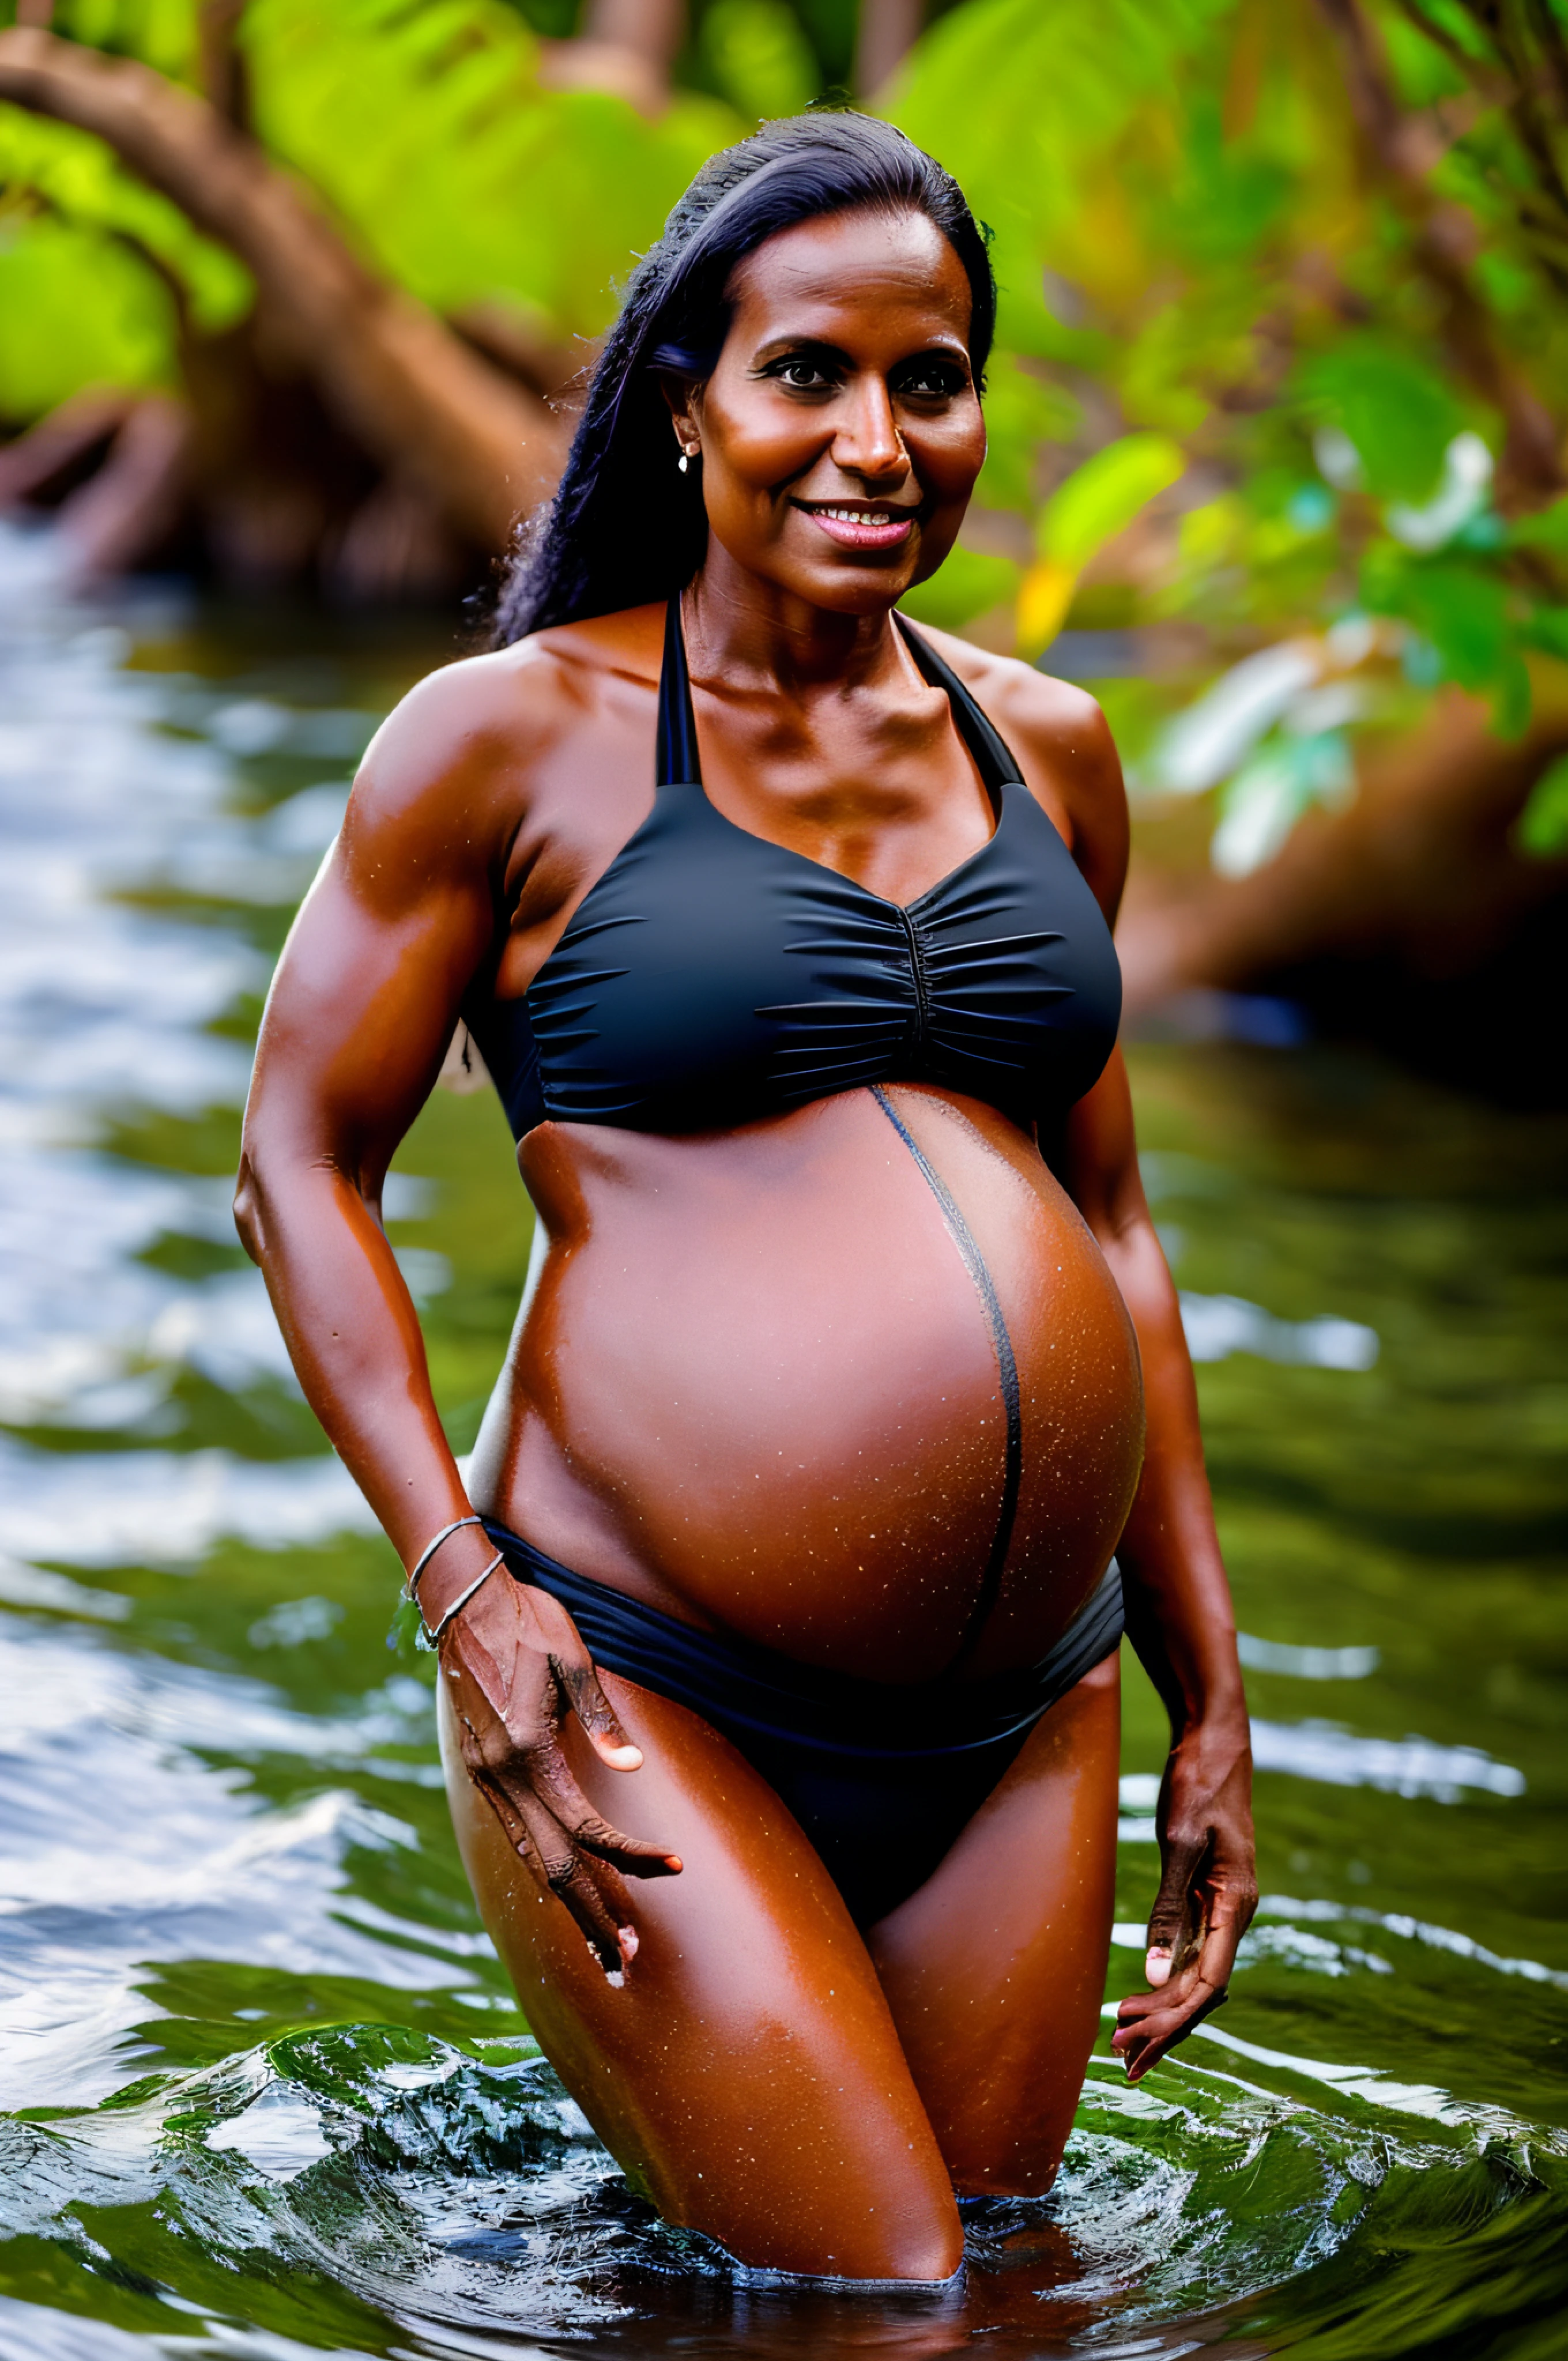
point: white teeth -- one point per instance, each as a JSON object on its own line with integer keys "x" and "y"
{"x": 858, "y": 516}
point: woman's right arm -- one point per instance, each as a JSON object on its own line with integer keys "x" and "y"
{"x": 405, "y": 910}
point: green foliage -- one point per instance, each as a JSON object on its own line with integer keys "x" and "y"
{"x": 74, "y": 177}
{"x": 759, "y": 56}
{"x": 1100, "y": 499}
{"x": 89, "y": 257}
{"x": 967, "y": 584}
{"x": 1184, "y": 217}
{"x": 1547, "y": 529}
{"x": 1023, "y": 412}
{"x": 1541, "y": 829}
{"x": 1400, "y": 413}
{"x": 75, "y": 311}
{"x": 424, "y": 124}
{"x": 1464, "y": 615}
{"x": 162, "y": 33}
{"x": 1205, "y": 291}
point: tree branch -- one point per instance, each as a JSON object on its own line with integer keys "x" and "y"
{"x": 414, "y": 395}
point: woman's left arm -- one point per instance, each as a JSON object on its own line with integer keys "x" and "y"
{"x": 1178, "y": 1611}
{"x": 1178, "y": 1601}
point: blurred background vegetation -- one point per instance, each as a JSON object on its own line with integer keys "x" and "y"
{"x": 293, "y": 300}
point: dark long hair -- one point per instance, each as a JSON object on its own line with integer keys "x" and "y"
{"x": 625, "y": 527}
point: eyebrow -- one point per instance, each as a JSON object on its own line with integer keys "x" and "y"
{"x": 774, "y": 347}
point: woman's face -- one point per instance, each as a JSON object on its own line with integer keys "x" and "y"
{"x": 841, "y": 431}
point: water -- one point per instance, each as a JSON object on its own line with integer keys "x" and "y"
{"x": 268, "y": 2092}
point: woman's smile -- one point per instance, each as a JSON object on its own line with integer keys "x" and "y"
{"x": 863, "y": 524}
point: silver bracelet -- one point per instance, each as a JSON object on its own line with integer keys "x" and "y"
{"x": 458, "y": 1603}
{"x": 431, "y": 1547}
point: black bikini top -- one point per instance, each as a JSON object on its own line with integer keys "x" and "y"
{"x": 711, "y": 976}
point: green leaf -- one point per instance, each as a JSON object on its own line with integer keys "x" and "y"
{"x": 759, "y": 57}
{"x": 161, "y": 32}
{"x": 965, "y": 584}
{"x": 427, "y": 129}
{"x": 1548, "y": 528}
{"x": 76, "y": 309}
{"x": 81, "y": 183}
{"x": 1547, "y": 629}
{"x": 1463, "y": 613}
{"x": 1541, "y": 829}
{"x": 1400, "y": 413}
{"x": 1100, "y": 499}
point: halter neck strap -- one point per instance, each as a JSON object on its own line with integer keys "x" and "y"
{"x": 676, "y": 758}
{"x": 679, "y": 763}
{"x": 993, "y": 757}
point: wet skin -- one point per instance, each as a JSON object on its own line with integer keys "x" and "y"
{"x": 753, "y": 1386}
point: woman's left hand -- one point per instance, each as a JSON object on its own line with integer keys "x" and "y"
{"x": 1208, "y": 1892}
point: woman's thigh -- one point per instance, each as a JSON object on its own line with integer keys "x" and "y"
{"x": 746, "y": 2074}
{"x": 995, "y": 1969}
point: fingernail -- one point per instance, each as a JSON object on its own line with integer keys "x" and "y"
{"x": 627, "y": 1942}
{"x": 1156, "y": 1964}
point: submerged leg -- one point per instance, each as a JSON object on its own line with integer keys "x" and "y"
{"x": 995, "y": 1967}
{"x": 746, "y": 2075}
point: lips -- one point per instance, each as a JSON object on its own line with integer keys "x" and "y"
{"x": 863, "y": 529}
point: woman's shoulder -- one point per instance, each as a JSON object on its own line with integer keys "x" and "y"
{"x": 476, "y": 728}
{"x": 1022, "y": 701}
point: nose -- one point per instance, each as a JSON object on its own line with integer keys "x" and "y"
{"x": 867, "y": 442}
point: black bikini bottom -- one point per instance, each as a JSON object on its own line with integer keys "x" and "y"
{"x": 881, "y": 1776}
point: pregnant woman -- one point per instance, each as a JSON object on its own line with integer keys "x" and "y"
{"x": 777, "y": 1625}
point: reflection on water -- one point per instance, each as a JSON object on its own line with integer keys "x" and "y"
{"x": 268, "y": 2092}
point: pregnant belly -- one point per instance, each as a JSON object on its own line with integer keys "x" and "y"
{"x": 758, "y": 1383}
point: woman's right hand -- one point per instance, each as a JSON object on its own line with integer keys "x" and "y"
{"x": 516, "y": 1666}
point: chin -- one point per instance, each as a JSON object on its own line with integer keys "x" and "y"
{"x": 856, "y": 589}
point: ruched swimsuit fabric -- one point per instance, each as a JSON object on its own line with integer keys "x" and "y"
{"x": 711, "y": 978}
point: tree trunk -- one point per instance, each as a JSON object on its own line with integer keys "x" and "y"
{"x": 436, "y": 415}
{"x": 624, "y": 45}
{"x": 888, "y": 31}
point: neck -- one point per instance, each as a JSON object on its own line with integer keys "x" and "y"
{"x": 750, "y": 633}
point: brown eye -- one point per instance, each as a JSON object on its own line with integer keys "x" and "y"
{"x": 930, "y": 381}
{"x": 801, "y": 375}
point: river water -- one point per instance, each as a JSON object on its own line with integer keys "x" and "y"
{"x": 267, "y": 2091}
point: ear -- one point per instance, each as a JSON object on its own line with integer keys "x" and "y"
{"x": 683, "y": 396}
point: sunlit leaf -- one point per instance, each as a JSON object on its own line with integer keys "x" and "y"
{"x": 1541, "y": 828}
{"x": 428, "y": 130}
{"x": 76, "y": 310}
{"x": 1044, "y": 597}
{"x": 1100, "y": 499}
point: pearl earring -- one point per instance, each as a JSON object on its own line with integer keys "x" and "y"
{"x": 685, "y": 461}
